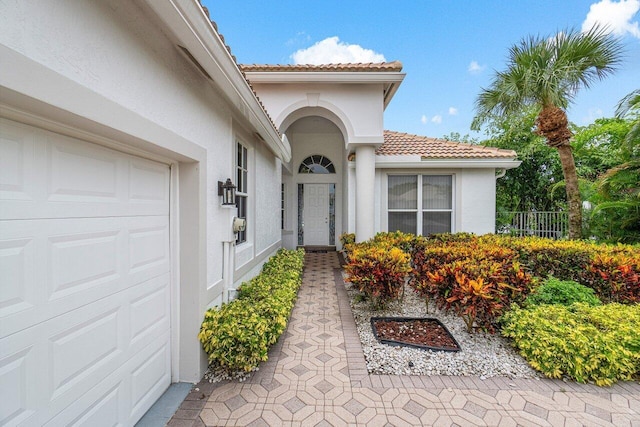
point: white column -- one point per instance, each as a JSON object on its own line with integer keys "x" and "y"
{"x": 365, "y": 191}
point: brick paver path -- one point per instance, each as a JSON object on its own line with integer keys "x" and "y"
{"x": 316, "y": 376}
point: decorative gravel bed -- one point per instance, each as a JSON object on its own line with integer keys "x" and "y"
{"x": 484, "y": 355}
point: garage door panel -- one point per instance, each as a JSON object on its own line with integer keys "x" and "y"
{"x": 148, "y": 248}
{"x": 113, "y": 398}
{"x": 14, "y": 377}
{"x": 80, "y": 349}
{"x": 82, "y": 172}
{"x": 47, "y": 175}
{"x": 122, "y": 395}
{"x": 17, "y": 262}
{"x": 67, "y": 263}
{"x": 105, "y": 411}
{"x": 85, "y": 301}
{"x": 148, "y": 183}
{"x": 100, "y": 406}
{"x": 148, "y": 378}
{"x": 83, "y": 348}
{"x": 150, "y": 314}
{"x": 16, "y": 162}
{"x": 83, "y": 260}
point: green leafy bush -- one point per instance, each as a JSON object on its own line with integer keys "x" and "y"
{"x": 396, "y": 239}
{"x": 599, "y": 344}
{"x": 347, "y": 239}
{"x": 237, "y": 336}
{"x": 563, "y": 292}
{"x": 378, "y": 270}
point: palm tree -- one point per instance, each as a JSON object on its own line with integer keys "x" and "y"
{"x": 547, "y": 73}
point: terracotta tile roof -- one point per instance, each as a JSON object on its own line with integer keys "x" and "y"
{"x": 398, "y": 144}
{"x": 355, "y": 67}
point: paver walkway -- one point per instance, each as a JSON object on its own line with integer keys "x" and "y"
{"x": 316, "y": 376}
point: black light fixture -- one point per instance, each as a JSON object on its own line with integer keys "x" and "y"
{"x": 228, "y": 192}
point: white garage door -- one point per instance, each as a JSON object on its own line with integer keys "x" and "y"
{"x": 84, "y": 271}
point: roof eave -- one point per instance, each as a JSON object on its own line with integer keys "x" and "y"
{"x": 390, "y": 80}
{"x": 356, "y": 77}
{"x": 187, "y": 21}
{"x": 416, "y": 162}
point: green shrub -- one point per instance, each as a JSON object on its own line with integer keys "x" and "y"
{"x": 396, "y": 239}
{"x": 563, "y": 292}
{"x": 237, "y": 336}
{"x": 234, "y": 336}
{"x": 347, "y": 239}
{"x": 599, "y": 344}
{"x": 378, "y": 270}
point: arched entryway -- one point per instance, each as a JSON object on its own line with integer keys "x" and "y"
{"x": 313, "y": 189}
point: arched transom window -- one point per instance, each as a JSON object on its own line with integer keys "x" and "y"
{"x": 316, "y": 164}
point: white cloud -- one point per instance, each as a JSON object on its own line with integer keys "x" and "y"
{"x": 300, "y": 38}
{"x": 475, "y": 68}
{"x": 453, "y": 111}
{"x": 332, "y": 51}
{"x": 437, "y": 119}
{"x": 424, "y": 119}
{"x": 617, "y": 16}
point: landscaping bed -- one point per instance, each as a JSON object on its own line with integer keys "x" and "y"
{"x": 482, "y": 354}
{"x": 554, "y": 300}
{"x": 237, "y": 335}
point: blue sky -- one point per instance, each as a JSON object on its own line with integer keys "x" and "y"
{"x": 449, "y": 49}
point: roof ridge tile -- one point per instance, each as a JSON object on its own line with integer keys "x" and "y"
{"x": 392, "y": 66}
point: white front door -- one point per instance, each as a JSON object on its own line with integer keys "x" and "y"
{"x": 316, "y": 214}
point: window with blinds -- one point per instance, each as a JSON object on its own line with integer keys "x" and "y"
{"x": 420, "y": 204}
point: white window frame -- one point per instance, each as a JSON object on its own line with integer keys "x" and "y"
{"x": 419, "y": 210}
{"x": 242, "y": 190}
{"x": 283, "y": 206}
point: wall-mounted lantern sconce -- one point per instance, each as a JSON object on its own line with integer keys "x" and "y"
{"x": 228, "y": 192}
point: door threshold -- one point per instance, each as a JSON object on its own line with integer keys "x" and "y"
{"x": 318, "y": 249}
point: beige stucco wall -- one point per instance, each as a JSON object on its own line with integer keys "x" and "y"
{"x": 357, "y": 109}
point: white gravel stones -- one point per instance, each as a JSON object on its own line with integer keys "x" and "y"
{"x": 484, "y": 355}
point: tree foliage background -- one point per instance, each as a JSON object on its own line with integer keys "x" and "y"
{"x": 607, "y": 156}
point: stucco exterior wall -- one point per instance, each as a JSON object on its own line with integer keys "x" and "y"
{"x": 117, "y": 51}
{"x": 477, "y": 200}
{"x": 358, "y": 106}
{"x": 111, "y": 72}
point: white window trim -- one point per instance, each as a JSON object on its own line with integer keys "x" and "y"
{"x": 247, "y": 186}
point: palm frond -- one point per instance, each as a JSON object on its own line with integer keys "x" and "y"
{"x": 629, "y": 103}
{"x": 620, "y": 204}
{"x": 624, "y": 176}
{"x": 550, "y": 71}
